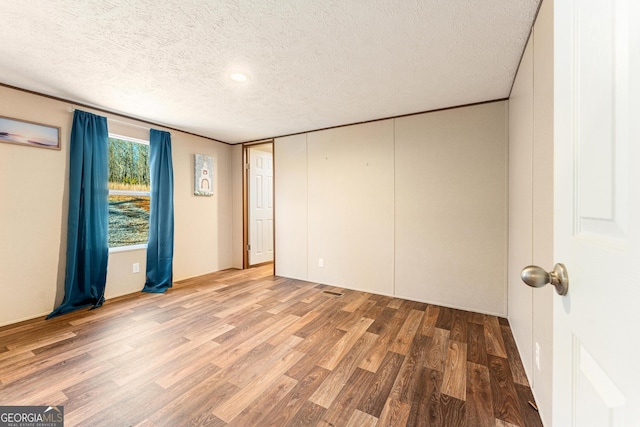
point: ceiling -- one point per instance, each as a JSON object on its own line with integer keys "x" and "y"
{"x": 310, "y": 64}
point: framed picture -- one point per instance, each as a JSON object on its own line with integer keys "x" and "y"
{"x": 30, "y": 134}
{"x": 203, "y": 175}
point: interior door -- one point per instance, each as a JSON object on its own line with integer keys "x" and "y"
{"x": 597, "y": 219}
{"x": 260, "y": 204}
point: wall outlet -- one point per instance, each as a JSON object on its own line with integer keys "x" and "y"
{"x": 136, "y": 267}
{"x": 321, "y": 262}
{"x": 538, "y": 356}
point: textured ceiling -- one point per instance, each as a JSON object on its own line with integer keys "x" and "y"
{"x": 311, "y": 64}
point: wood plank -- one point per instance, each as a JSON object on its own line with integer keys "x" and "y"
{"x": 184, "y": 367}
{"x": 293, "y": 328}
{"x": 476, "y": 347}
{"x": 348, "y": 399}
{"x": 437, "y": 350}
{"x": 353, "y": 305}
{"x": 454, "y": 411}
{"x": 479, "y": 399}
{"x": 188, "y": 409}
{"x": 517, "y": 369}
{"x": 373, "y": 360}
{"x": 445, "y": 318}
{"x": 253, "y": 415}
{"x": 405, "y": 337}
{"x": 361, "y": 419}
{"x": 395, "y": 303}
{"x": 530, "y": 415}
{"x": 394, "y": 414}
{"x": 313, "y": 353}
{"x": 477, "y": 318}
{"x": 408, "y": 378}
{"x": 285, "y": 411}
{"x": 354, "y": 316}
{"x": 500, "y": 423}
{"x": 382, "y": 320}
{"x": 459, "y": 326}
{"x": 231, "y": 354}
{"x": 254, "y": 364}
{"x": 493, "y": 337}
{"x": 506, "y": 402}
{"x": 228, "y": 410}
{"x": 332, "y": 385}
{"x": 342, "y": 347}
{"x": 309, "y": 414}
{"x": 454, "y": 381}
{"x": 429, "y": 321}
{"x": 426, "y": 408}
{"x": 375, "y": 398}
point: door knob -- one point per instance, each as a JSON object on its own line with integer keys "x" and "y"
{"x": 537, "y": 277}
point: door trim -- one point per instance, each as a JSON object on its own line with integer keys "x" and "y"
{"x": 245, "y": 202}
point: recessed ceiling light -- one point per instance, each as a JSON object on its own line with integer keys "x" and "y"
{"x": 238, "y": 77}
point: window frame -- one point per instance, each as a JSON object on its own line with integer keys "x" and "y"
{"x": 129, "y": 193}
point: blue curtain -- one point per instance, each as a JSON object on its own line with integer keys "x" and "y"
{"x": 87, "y": 229}
{"x": 160, "y": 246}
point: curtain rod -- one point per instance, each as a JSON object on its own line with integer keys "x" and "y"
{"x": 71, "y": 110}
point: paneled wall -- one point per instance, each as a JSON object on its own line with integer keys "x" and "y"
{"x": 350, "y": 206}
{"x": 531, "y": 206}
{"x": 451, "y": 207}
{"x": 520, "y": 205}
{"x": 291, "y": 206}
{"x": 414, "y": 207}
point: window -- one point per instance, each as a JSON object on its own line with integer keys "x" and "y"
{"x": 129, "y": 192}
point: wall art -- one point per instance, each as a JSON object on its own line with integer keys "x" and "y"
{"x": 30, "y": 134}
{"x": 204, "y": 174}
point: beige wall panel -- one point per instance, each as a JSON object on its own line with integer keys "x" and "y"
{"x": 350, "y": 206}
{"x": 121, "y": 279}
{"x": 290, "y": 160}
{"x": 203, "y": 225}
{"x": 33, "y": 211}
{"x": 451, "y": 207}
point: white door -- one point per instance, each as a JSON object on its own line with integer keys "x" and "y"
{"x": 597, "y": 220}
{"x": 260, "y": 205}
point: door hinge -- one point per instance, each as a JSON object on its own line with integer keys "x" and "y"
{"x": 247, "y": 166}
{"x": 248, "y": 247}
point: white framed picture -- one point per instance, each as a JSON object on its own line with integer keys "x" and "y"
{"x": 204, "y": 175}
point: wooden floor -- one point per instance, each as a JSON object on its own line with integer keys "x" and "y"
{"x": 245, "y": 348}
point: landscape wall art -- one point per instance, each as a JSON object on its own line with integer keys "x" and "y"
{"x": 29, "y": 134}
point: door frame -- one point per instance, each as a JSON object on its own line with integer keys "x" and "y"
{"x": 245, "y": 201}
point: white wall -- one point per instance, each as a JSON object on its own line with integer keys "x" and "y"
{"x": 451, "y": 207}
{"x": 33, "y": 212}
{"x": 414, "y": 207}
{"x": 543, "y": 202}
{"x": 350, "y": 206}
{"x": 290, "y": 203}
{"x": 531, "y": 206}
{"x": 520, "y": 206}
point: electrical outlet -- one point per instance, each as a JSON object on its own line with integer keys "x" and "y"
{"x": 538, "y": 356}
{"x": 321, "y": 262}
{"x": 136, "y": 267}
